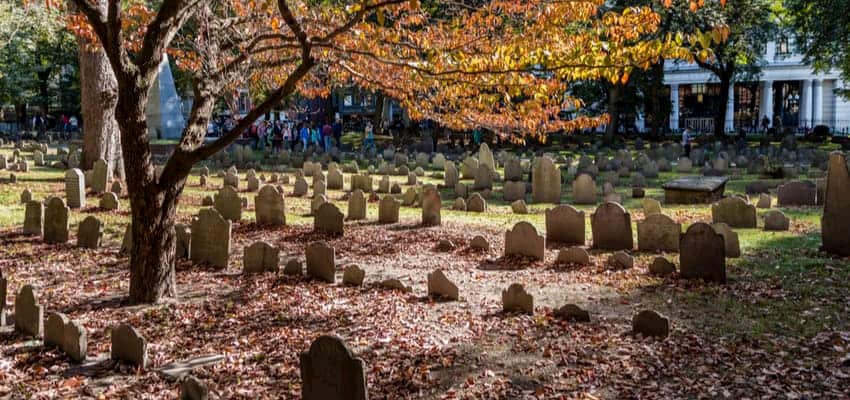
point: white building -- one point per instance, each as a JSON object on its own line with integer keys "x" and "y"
{"x": 789, "y": 94}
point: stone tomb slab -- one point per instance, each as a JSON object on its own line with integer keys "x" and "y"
{"x": 695, "y": 190}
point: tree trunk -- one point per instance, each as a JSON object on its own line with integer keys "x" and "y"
{"x": 658, "y": 105}
{"x": 720, "y": 117}
{"x": 614, "y": 114}
{"x": 98, "y": 96}
{"x": 378, "y": 117}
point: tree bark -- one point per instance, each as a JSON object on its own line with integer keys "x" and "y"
{"x": 378, "y": 117}
{"x": 613, "y": 112}
{"x": 98, "y": 97}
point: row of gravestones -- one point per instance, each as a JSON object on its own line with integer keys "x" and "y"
{"x": 50, "y": 220}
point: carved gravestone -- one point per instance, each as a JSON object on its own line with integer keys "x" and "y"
{"x": 523, "y": 240}
{"x": 658, "y": 232}
{"x": 29, "y": 314}
{"x": 545, "y": 181}
{"x": 797, "y": 193}
{"x": 75, "y": 188}
{"x": 335, "y": 179}
{"x": 356, "y": 206}
{"x": 410, "y": 197}
{"x": 516, "y": 299}
{"x": 109, "y": 201}
{"x": 129, "y": 346}
{"x": 388, "y": 210}
{"x": 34, "y": 218}
{"x": 329, "y": 371}
{"x": 440, "y": 286}
{"x": 100, "y": 176}
{"x": 512, "y": 191}
{"x": 90, "y": 233}
{"x": 776, "y": 221}
{"x": 565, "y": 224}
{"x": 584, "y": 190}
{"x": 210, "y": 238}
{"x": 468, "y": 168}
{"x": 69, "y": 336}
{"x": 730, "y": 239}
{"x": 261, "y": 257}
{"x": 765, "y": 201}
{"x": 476, "y": 203}
{"x": 450, "y": 175}
{"x": 735, "y": 212}
{"x": 228, "y": 203}
{"x": 702, "y": 254}
{"x": 362, "y": 182}
{"x": 483, "y": 178}
{"x": 56, "y": 221}
{"x": 611, "y": 226}
{"x": 270, "y": 206}
{"x": 651, "y": 206}
{"x": 835, "y": 223}
{"x": 300, "y": 188}
{"x": 320, "y": 261}
{"x": 431, "y": 204}
{"x": 328, "y": 219}
{"x": 513, "y": 170}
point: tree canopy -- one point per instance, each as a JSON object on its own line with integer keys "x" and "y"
{"x": 822, "y": 33}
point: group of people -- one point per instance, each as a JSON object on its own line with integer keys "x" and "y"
{"x": 286, "y": 134}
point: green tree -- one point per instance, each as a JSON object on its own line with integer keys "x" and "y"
{"x": 822, "y": 33}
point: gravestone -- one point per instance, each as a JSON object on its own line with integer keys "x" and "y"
{"x": 658, "y": 232}
{"x": 270, "y": 206}
{"x": 410, "y": 197}
{"x": 75, "y": 188}
{"x": 100, "y": 176}
{"x": 621, "y": 260}
{"x": 300, "y": 188}
{"x": 584, "y": 190}
{"x": 565, "y": 224}
{"x": 485, "y": 157}
{"x": 261, "y": 257}
{"x": 26, "y": 196}
{"x": 476, "y": 203}
{"x": 253, "y": 182}
{"x": 662, "y": 267}
{"x": 108, "y": 201}
{"x": 184, "y": 240}
{"x": 29, "y": 314}
{"x": 797, "y": 193}
{"x": 320, "y": 261}
{"x": 835, "y": 223}
{"x": 388, "y": 210}
{"x": 519, "y": 207}
{"x": 523, "y": 240}
{"x": 329, "y": 371}
{"x": 694, "y": 190}
{"x": 764, "y": 201}
{"x": 328, "y": 219}
{"x": 702, "y": 254}
{"x": 34, "y": 218}
{"x": 468, "y": 168}
{"x": 335, "y": 179}
{"x": 210, "y": 238}
{"x": 611, "y": 226}
{"x": 450, "y": 175}
{"x": 232, "y": 179}
{"x": 730, "y": 240}
{"x": 353, "y": 275}
{"x": 228, "y": 203}
{"x": 572, "y": 312}
{"x": 513, "y": 170}
{"x": 573, "y": 255}
{"x": 735, "y": 212}
{"x": 512, "y": 191}
{"x": 90, "y": 233}
{"x": 440, "y": 286}
{"x": 362, "y": 182}
{"x": 56, "y": 221}
{"x": 483, "y": 178}
{"x": 69, "y": 336}
{"x": 129, "y": 346}
{"x": 431, "y": 204}
{"x": 650, "y": 323}
{"x": 545, "y": 181}
{"x": 651, "y": 206}
{"x": 516, "y": 299}
{"x": 479, "y": 243}
{"x": 776, "y": 221}
{"x": 356, "y": 206}
{"x": 317, "y": 202}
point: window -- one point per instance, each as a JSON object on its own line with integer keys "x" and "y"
{"x": 783, "y": 46}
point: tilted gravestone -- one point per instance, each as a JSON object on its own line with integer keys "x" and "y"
{"x": 431, "y": 204}
{"x": 516, "y": 299}
{"x": 658, "y": 232}
{"x": 261, "y": 257}
{"x": 29, "y": 314}
{"x": 270, "y": 206}
{"x": 835, "y": 223}
{"x": 329, "y": 371}
{"x": 702, "y": 254}
{"x": 388, "y": 210}
{"x": 321, "y": 262}
{"x": 75, "y": 188}
{"x": 328, "y": 219}
{"x": 735, "y": 212}
{"x": 129, "y": 346}
{"x": 565, "y": 224}
{"x": 34, "y": 218}
{"x": 210, "y": 238}
{"x": 228, "y": 203}
{"x": 523, "y": 240}
{"x": 573, "y": 255}
{"x": 611, "y": 227}
{"x": 545, "y": 181}
{"x": 90, "y": 233}
{"x": 356, "y": 206}
{"x": 67, "y": 335}
{"x": 56, "y": 221}
{"x": 440, "y": 286}
{"x": 353, "y": 275}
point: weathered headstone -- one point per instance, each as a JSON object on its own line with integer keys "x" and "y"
{"x": 776, "y": 221}
{"x": 797, "y": 193}
{"x": 512, "y": 191}
{"x": 100, "y": 176}
{"x": 835, "y": 223}
{"x": 611, "y": 226}
{"x": 356, "y": 206}
{"x": 270, "y": 206}
{"x": 210, "y": 238}
{"x": 584, "y": 190}
{"x": 90, "y": 233}
{"x": 479, "y": 243}
{"x": 34, "y": 218}
{"x": 516, "y": 299}
{"x": 388, "y": 210}
{"x": 573, "y": 255}
{"x": 764, "y": 201}
{"x": 662, "y": 267}
{"x": 261, "y": 257}
{"x": 450, "y": 175}
{"x": 730, "y": 239}
{"x": 69, "y": 336}
{"x": 545, "y": 181}
{"x": 56, "y": 221}
{"x": 329, "y": 371}
{"x": 523, "y": 240}
{"x": 129, "y": 346}
{"x": 565, "y": 224}
{"x": 75, "y": 188}
{"x": 328, "y": 219}
{"x": 735, "y": 212}
{"x": 702, "y": 254}
{"x": 431, "y": 205}
{"x": 109, "y": 201}
{"x": 29, "y": 314}
{"x": 353, "y": 275}
{"x": 476, "y": 203}
{"x": 650, "y": 323}
{"x": 26, "y": 196}
{"x": 320, "y": 261}
{"x": 300, "y": 188}
{"x": 228, "y": 203}
{"x": 658, "y": 232}
{"x": 440, "y": 286}
{"x": 651, "y": 206}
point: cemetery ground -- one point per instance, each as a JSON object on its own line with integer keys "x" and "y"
{"x": 777, "y": 329}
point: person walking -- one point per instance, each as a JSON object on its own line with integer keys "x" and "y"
{"x": 368, "y": 136}
{"x": 337, "y": 130}
{"x": 686, "y": 141}
{"x": 305, "y": 136}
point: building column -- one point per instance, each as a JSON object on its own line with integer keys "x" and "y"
{"x": 841, "y": 123}
{"x": 730, "y": 110}
{"x": 817, "y": 102}
{"x": 674, "y": 113}
{"x": 805, "y": 116}
{"x": 766, "y": 106}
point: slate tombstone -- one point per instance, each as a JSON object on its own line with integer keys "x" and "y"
{"x": 56, "y": 221}
{"x": 356, "y": 206}
{"x": 129, "y": 346}
{"x": 611, "y": 227}
{"x": 584, "y": 190}
{"x": 34, "y": 218}
{"x": 735, "y": 212}
{"x": 797, "y": 193}
{"x": 565, "y": 224}
{"x": 26, "y": 196}
{"x": 776, "y": 221}
{"x": 228, "y": 203}
{"x": 513, "y": 191}
{"x": 545, "y": 181}
{"x": 66, "y": 334}
{"x": 431, "y": 205}
{"x": 270, "y": 206}
{"x": 329, "y": 371}
{"x": 261, "y": 257}
{"x": 100, "y": 176}
{"x": 210, "y": 238}
{"x": 702, "y": 254}
{"x": 109, "y": 201}
{"x": 476, "y": 203}
{"x": 75, "y": 188}
{"x": 321, "y": 262}
{"x": 29, "y": 314}
{"x": 835, "y": 223}
{"x": 388, "y": 210}
{"x": 730, "y": 239}
{"x": 440, "y": 286}
{"x": 658, "y": 232}
{"x": 523, "y": 240}
{"x": 516, "y": 299}
{"x": 328, "y": 219}
{"x": 90, "y": 233}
